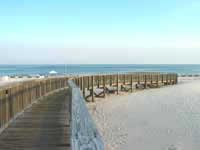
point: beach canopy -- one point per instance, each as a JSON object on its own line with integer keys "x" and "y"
{"x": 52, "y": 72}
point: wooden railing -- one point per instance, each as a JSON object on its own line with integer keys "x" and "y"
{"x": 84, "y": 132}
{"x": 16, "y": 98}
{"x": 90, "y": 82}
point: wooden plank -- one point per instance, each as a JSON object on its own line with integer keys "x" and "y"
{"x": 44, "y": 126}
{"x": 92, "y": 91}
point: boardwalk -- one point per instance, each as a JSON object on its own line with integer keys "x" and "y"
{"x": 45, "y": 126}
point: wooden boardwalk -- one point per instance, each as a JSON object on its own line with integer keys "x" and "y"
{"x": 44, "y": 126}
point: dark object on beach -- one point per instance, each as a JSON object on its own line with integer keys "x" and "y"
{"x": 12, "y": 76}
{"x": 196, "y": 75}
{"x": 111, "y": 89}
{"x": 125, "y": 88}
{"x": 183, "y": 75}
{"x": 139, "y": 86}
{"x": 29, "y": 76}
{"x": 98, "y": 92}
{"x": 153, "y": 85}
{"x": 20, "y": 76}
{"x": 190, "y": 75}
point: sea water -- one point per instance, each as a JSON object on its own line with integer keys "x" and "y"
{"x": 96, "y": 68}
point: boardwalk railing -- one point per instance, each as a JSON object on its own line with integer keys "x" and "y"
{"x": 84, "y": 132}
{"x": 16, "y": 98}
{"x": 88, "y": 83}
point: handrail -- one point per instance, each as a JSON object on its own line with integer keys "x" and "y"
{"x": 84, "y": 132}
{"x": 16, "y": 98}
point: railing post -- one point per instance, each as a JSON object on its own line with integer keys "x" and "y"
{"x": 138, "y": 78}
{"x": 157, "y": 81}
{"x": 124, "y": 82}
{"x": 117, "y": 83}
{"x": 88, "y": 84}
{"x": 170, "y": 79}
{"x": 83, "y": 86}
{"x": 92, "y": 88}
{"x": 98, "y": 81}
{"x": 145, "y": 81}
{"x": 166, "y": 79}
{"x": 1, "y": 108}
{"x": 176, "y": 79}
{"x": 131, "y": 82}
{"x": 110, "y": 80}
{"x": 104, "y": 85}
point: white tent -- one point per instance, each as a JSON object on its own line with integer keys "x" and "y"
{"x": 52, "y": 72}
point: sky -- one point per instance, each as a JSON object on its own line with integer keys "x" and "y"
{"x": 99, "y": 32}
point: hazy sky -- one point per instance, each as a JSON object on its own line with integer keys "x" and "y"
{"x": 99, "y": 31}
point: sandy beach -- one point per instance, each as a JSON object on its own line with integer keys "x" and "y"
{"x": 10, "y": 81}
{"x": 167, "y": 118}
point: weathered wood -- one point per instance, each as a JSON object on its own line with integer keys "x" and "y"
{"x": 43, "y": 126}
{"x": 124, "y": 80}
{"x": 131, "y": 83}
{"x": 92, "y": 90}
{"x": 157, "y": 81}
{"x": 88, "y": 84}
{"x": 104, "y": 84}
{"x": 145, "y": 81}
{"x": 117, "y": 83}
{"x": 83, "y": 84}
{"x": 110, "y": 80}
{"x": 84, "y": 132}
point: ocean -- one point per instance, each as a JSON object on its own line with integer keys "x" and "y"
{"x": 103, "y": 68}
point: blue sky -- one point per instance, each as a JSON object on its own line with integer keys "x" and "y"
{"x": 85, "y": 31}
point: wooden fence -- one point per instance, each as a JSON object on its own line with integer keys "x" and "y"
{"x": 90, "y": 82}
{"x": 16, "y": 98}
{"x": 84, "y": 134}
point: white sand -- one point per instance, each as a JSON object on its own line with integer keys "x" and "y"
{"x": 10, "y": 81}
{"x": 167, "y": 118}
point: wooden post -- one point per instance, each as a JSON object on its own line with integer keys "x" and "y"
{"x": 124, "y": 79}
{"x": 104, "y": 85}
{"x": 98, "y": 81}
{"x": 162, "y": 77}
{"x": 117, "y": 84}
{"x": 110, "y": 80}
{"x": 131, "y": 82}
{"x": 176, "y": 79}
{"x": 88, "y": 84}
{"x": 83, "y": 86}
{"x": 170, "y": 78}
{"x": 79, "y": 82}
{"x": 145, "y": 81}
{"x": 138, "y": 78}
{"x": 92, "y": 78}
{"x": 157, "y": 81}
{"x": 167, "y": 79}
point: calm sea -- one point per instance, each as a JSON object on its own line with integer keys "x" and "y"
{"x": 78, "y": 69}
